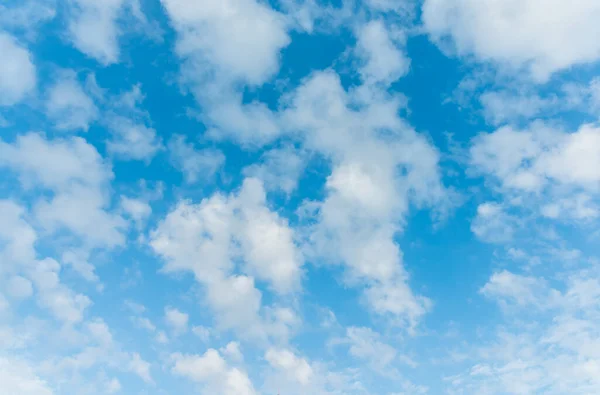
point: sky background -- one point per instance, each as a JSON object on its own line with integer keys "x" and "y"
{"x": 246, "y": 197}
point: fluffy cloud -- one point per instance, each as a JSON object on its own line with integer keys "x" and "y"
{"x": 17, "y": 72}
{"x": 195, "y": 164}
{"x": 176, "y": 319}
{"x": 224, "y": 44}
{"x": 94, "y": 29}
{"x": 208, "y": 237}
{"x": 279, "y": 169}
{"x": 555, "y": 169}
{"x": 133, "y": 136}
{"x": 18, "y": 377}
{"x": 236, "y": 39}
{"x": 557, "y": 353}
{"x": 378, "y": 48}
{"x": 69, "y": 105}
{"x": 367, "y": 194}
{"x": 541, "y": 36}
{"x": 74, "y": 171}
{"x": 213, "y": 372}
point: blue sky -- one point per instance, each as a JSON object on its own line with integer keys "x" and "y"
{"x": 247, "y": 197}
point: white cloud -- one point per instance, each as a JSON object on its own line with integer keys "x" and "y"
{"x": 375, "y": 177}
{"x": 232, "y": 352}
{"x": 17, "y": 377}
{"x": 239, "y": 39}
{"x": 298, "y": 369}
{"x": 195, "y": 164}
{"x": 522, "y": 290}
{"x": 65, "y": 304}
{"x": 27, "y": 15}
{"x": 503, "y": 106}
{"x": 17, "y": 72}
{"x": 366, "y": 344}
{"x": 140, "y": 367}
{"x": 77, "y": 175}
{"x": 133, "y": 137}
{"x": 207, "y": 239}
{"x": 543, "y": 36}
{"x": 555, "y": 171}
{"x": 267, "y": 241}
{"x": 213, "y": 372}
{"x": 19, "y": 287}
{"x": 492, "y": 224}
{"x": 280, "y": 169}
{"x": 133, "y": 140}
{"x": 176, "y": 319}
{"x": 225, "y": 44}
{"x": 17, "y": 236}
{"x": 68, "y": 105}
{"x": 549, "y": 345}
{"x": 379, "y": 48}
{"x": 137, "y": 209}
{"x": 95, "y": 27}
{"x": 202, "y": 332}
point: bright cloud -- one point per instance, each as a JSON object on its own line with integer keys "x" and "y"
{"x": 299, "y": 197}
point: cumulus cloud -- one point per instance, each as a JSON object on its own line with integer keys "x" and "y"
{"x": 176, "y": 319}
{"x": 18, "y": 377}
{"x": 69, "y": 105}
{"x": 540, "y": 36}
{"x": 18, "y": 76}
{"x": 222, "y": 45}
{"x": 207, "y": 238}
{"x": 379, "y": 49}
{"x": 367, "y": 194}
{"x": 133, "y": 136}
{"x": 213, "y": 372}
{"x": 195, "y": 164}
{"x": 552, "y": 167}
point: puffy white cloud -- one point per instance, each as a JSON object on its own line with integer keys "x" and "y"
{"x": 556, "y": 171}
{"x": 19, "y": 287}
{"x": 195, "y": 164}
{"x": 503, "y": 106}
{"x": 213, "y": 372}
{"x": 298, "y": 369}
{"x": 94, "y": 27}
{"x": 236, "y": 39}
{"x": 64, "y": 304}
{"x": 176, "y": 319}
{"x": 137, "y": 209}
{"x": 140, "y": 367}
{"x": 133, "y": 140}
{"x": 17, "y": 236}
{"x": 279, "y": 169}
{"x": 292, "y": 374}
{"x": 27, "y": 15}
{"x": 69, "y": 105}
{"x": 492, "y": 224}
{"x": 133, "y": 137}
{"x": 379, "y": 49}
{"x": 232, "y": 352}
{"x": 17, "y": 377}
{"x": 17, "y": 72}
{"x": 522, "y": 290}
{"x": 366, "y": 344}
{"x": 207, "y": 238}
{"x": 225, "y": 44}
{"x": 267, "y": 241}
{"x": 77, "y": 175}
{"x": 375, "y": 177}
{"x": 542, "y": 36}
